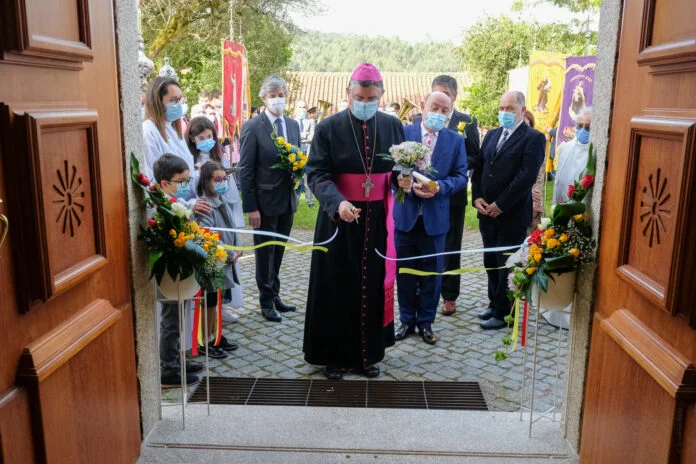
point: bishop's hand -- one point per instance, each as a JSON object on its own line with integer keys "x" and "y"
{"x": 347, "y": 211}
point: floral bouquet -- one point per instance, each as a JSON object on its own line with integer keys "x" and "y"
{"x": 291, "y": 159}
{"x": 408, "y": 156}
{"x": 560, "y": 244}
{"x": 177, "y": 244}
{"x": 461, "y": 129}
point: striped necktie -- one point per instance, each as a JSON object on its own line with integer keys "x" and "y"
{"x": 503, "y": 138}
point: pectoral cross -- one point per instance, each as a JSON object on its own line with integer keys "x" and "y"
{"x": 367, "y": 185}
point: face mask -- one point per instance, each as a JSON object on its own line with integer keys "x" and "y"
{"x": 276, "y": 105}
{"x": 205, "y": 145}
{"x": 221, "y": 188}
{"x": 301, "y": 114}
{"x": 182, "y": 191}
{"x": 210, "y": 117}
{"x": 365, "y": 110}
{"x": 219, "y": 104}
{"x": 173, "y": 112}
{"x": 583, "y": 136}
{"x": 435, "y": 121}
{"x": 184, "y": 108}
{"x": 507, "y": 120}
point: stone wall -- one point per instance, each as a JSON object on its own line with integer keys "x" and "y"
{"x": 581, "y": 319}
{"x": 126, "y": 16}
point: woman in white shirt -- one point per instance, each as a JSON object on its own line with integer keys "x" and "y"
{"x": 162, "y": 131}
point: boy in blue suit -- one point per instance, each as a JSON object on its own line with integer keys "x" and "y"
{"x": 421, "y": 222}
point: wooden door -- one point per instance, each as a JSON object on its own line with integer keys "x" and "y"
{"x": 641, "y": 384}
{"x": 68, "y": 388}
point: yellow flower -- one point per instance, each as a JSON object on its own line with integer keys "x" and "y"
{"x": 292, "y": 157}
{"x": 194, "y": 226}
{"x": 575, "y": 252}
{"x": 461, "y": 126}
{"x": 563, "y": 238}
{"x": 207, "y": 236}
{"x": 172, "y": 232}
{"x": 280, "y": 140}
{"x": 548, "y": 233}
{"x": 577, "y": 218}
{"x": 531, "y": 270}
{"x": 220, "y": 254}
{"x": 206, "y": 246}
{"x": 537, "y": 257}
{"x": 552, "y": 243}
{"x": 303, "y": 162}
{"x": 216, "y": 236}
{"x": 300, "y": 154}
{"x": 288, "y": 147}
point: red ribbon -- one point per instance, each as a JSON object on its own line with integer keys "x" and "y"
{"x": 218, "y": 331}
{"x": 524, "y": 323}
{"x": 196, "y": 323}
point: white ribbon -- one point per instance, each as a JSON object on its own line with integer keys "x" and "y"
{"x": 460, "y": 252}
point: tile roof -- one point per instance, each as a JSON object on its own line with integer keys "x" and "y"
{"x": 331, "y": 86}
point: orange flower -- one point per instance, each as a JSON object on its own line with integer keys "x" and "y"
{"x": 537, "y": 257}
{"x": 563, "y": 238}
{"x": 575, "y": 252}
{"x": 552, "y": 243}
{"x": 531, "y": 270}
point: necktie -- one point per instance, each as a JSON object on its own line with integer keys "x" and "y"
{"x": 502, "y": 140}
{"x": 279, "y": 128}
{"x": 429, "y": 143}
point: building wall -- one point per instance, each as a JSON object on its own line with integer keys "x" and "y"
{"x": 143, "y": 297}
{"x": 581, "y": 318}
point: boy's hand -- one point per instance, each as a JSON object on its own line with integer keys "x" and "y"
{"x": 202, "y": 207}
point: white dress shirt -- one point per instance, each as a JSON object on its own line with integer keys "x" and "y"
{"x": 271, "y": 117}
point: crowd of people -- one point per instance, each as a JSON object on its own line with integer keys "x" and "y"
{"x": 350, "y": 302}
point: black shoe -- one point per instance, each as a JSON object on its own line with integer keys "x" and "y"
{"x": 214, "y": 352}
{"x": 227, "y": 345}
{"x": 404, "y": 331}
{"x": 486, "y": 314}
{"x": 493, "y": 324}
{"x": 428, "y": 335}
{"x": 193, "y": 368}
{"x": 282, "y": 307}
{"x": 173, "y": 381}
{"x": 333, "y": 373}
{"x": 371, "y": 371}
{"x": 271, "y": 314}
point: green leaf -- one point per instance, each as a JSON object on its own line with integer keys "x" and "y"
{"x": 135, "y": 168}
{"x": 591, "y": 166}
{"x": 560, "y": 263}
{"x": 153, "y": 258}
{"x": 541, "y": 280}
{"x": 173, "y": 269}
{"x": 158, "y": 270}
{"x": 562, "y": 213}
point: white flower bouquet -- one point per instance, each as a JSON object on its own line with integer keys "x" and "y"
{"x": 408, "y": 156}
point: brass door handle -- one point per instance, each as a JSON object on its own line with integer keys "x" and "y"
{"x": 5, "y": 227}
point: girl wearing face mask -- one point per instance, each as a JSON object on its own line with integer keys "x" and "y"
{"x": 213, "y": 185}
{"x": 572, "y": 157}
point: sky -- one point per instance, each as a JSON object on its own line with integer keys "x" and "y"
{"x": 416, "y": 21}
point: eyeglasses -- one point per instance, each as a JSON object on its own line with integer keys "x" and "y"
{"x": 219, "y": 180}
{"x": 583, "y": 126}
{"x": 179, "y": 99}
{"x": 182, "y": 182}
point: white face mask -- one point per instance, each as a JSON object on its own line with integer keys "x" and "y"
{"x": 276, "y": 105}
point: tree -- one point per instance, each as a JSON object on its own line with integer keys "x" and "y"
{"x": 576, "y": 6}
{"x": 494, "y": 46}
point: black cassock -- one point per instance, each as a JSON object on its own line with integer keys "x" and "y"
{"x": 345, "y": 323}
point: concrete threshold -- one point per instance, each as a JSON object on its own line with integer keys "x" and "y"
{"x": 286, "y": 434}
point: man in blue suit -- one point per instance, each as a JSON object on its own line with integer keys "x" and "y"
{"x": 502, "y": 194}
{"x": 421, "y": 222}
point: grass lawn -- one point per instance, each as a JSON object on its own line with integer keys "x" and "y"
{"x": 306, "y": 217}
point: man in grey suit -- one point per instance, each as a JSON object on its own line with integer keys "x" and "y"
{"x": 268, "y": 194}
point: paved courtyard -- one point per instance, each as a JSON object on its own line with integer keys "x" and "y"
{"x": 463, "y": 352}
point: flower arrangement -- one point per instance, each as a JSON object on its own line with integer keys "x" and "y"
{"x": 560, "y": 244}
{"x": 176, "y": 244}
{"x": 291, "y": 159}
{"x": 408, "y": 156}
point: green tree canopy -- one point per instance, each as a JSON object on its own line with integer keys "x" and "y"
{"x": 493, "y": 46}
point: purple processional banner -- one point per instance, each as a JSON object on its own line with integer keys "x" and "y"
{"x": 577, "y": 94}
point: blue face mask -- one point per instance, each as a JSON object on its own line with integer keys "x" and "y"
{"x": 435, "y": 121}
{"x": 507, "y": 120}
{"x": 365, "y": 110}
{"x": 221, "y": 188}
{"x": 205, "y": 145}
{"x": 174, "y": 112}
{"x": 182, "y": 191}
{"x": 583, "y": 136}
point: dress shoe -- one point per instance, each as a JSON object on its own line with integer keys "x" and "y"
{"x": 449, "y": 308}
{"x": 283, "y": 307}
{"x": 173, "y": 381}
{"x": 486, "y": 314}
{"x": 229, "y": 316}
{"x": 371, "y": 371}
{"x": 404, "y": 331}
{"x": 193, "y": 368}
{"x": 333, "y": 373}
{"x": 214, "y": 352}
{"x": 271, "y": 314}
{"x": 428, "y": 335}
{"x": 493, "y": 324}
{"x": 227, "y": 345}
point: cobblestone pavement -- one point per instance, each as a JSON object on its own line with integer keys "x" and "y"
{"x": 463, "y": 352}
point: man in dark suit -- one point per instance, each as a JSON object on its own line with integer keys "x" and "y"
{"x": 421, "y": 222}
{"x": 502, "y": 193}
{"x": 458, "y": 201}
{"x": 268, "y": 194}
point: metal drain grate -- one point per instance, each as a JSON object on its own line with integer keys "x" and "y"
{"x": 343, "y": 393}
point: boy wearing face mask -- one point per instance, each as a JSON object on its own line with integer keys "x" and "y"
{"x": 422, "y": 220}
{"x": 268, "y": 194}
{"x": 172, "y": 174}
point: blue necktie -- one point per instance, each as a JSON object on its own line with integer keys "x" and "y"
{"x": 279, "y": 128}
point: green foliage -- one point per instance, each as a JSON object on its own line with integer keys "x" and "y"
{"x": 494, "y": 46}
{"x": 576, "y": 6}
{"x": 332, "y": 52}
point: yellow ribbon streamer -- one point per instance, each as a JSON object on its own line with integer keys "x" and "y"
{"x": 515, "y": 329}
{"x": 292, "y": 246}
{"x": 464, "y": 270}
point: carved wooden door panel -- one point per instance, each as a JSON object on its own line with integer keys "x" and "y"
{"x": 641, "y": 385}
{"x": 68, "y": 389}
